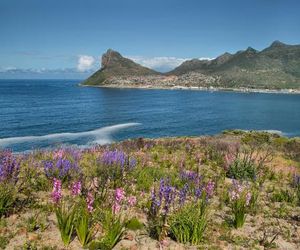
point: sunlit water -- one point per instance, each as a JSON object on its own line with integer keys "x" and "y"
{"x": 43, "y": 113}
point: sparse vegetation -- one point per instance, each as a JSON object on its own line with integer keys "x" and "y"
{"x": 206, "y": 192}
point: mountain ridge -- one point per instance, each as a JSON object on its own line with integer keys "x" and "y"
{"x": 275, "y": 67}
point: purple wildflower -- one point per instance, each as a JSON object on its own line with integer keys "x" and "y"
{"x": 56, "y": 192}
{"x": 209, "y": 189}
{"x": 164, "y": 199}
{"x": 114, "y": 158}
{"x": 183, "y": 194}
{"x": 190, "y": 177}
{"x": 76, "y": 188}
{"x": 61, "y": 168}
{"x": 198, "y": 192}
{"x": 296, "y": 181}
{"x": 9, "y": 166}
{"x": 90, "y": 202}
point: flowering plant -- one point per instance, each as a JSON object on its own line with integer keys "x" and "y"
{"x": 61, "y": 168}
{"x": 117, "y": 164}
{"x": 9, "y": 166}
{"x": 161, "y": 202}
{"x": 240, "y": 197}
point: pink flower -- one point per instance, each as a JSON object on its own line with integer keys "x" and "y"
{"x": 119, "y": 194}
{"x": 90, "y": 201}
{"x": 58, "y": 154}
{"x": 116, "y": 208}
{"x": 248, "y": 198}
{"x": 76, "y": 188}
{"x": 131, "y": 201}
{"x": 56, "y": 192}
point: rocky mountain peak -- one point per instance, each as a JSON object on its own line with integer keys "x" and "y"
{"x": 277, "y": 44}
{"x": 110, "y": 57}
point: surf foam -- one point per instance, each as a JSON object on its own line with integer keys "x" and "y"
{"x": 98, "y": 136}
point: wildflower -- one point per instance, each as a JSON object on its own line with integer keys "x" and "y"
{"x": 76, "y": 188}
{"x": 132, "y": 163}
{"x": 131, "y": 200}
{"x": 248, "y": 198}
{"x": 119, "y": 194}
{"x": 58, "y": 154}
{"x": 114, "y": 158}
{"x": 9, "y": 166}
{"x": 296, "y": 181}
{"x": 183, "y": 194}
{"x": 198, "y": 192}
{"x": 56, "y": 192}
{"x": 90, "y": 202}
{"x": 210, "y": 186}
{"x": 61, "y": 168}
{"x": 190, "y": 176}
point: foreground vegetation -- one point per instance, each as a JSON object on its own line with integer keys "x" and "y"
{"x": 238, "y": 190}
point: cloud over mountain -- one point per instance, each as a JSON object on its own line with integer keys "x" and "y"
{"x": 85, "y": 63}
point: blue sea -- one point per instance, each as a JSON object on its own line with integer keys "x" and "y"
{"x": 49, "y": 113}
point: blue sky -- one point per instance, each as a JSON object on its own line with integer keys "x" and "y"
{"x": 65, "y": 38}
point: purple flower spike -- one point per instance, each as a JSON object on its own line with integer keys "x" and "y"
{"x": 76, "y": 188}
{"x": 56, "y": 192}
{"x": 90, "y": 202}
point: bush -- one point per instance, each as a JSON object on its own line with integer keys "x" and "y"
{"x": 134, "y": 224}
{"x": 242, "y": 170}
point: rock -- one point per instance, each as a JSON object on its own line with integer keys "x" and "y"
{"x": 32, "y": 236}
{"x": 129, "y": 236}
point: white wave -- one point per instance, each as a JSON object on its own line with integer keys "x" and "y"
{"x": 99, "y": 136}
{"x": 272, "y": 131}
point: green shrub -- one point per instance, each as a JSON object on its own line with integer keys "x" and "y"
{"x": 134, "y": 224}
{"x": 242, "y": 170}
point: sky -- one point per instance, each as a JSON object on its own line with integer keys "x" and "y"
{"x": 66, "y": 38}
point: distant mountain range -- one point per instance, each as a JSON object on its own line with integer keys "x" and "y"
{"x": 276, "y": 67}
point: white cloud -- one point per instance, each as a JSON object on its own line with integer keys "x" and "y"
{"x": 85, "y": 63}
{"x": 163, "y": 63}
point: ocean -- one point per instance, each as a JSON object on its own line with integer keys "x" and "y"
{"x": 49, "y": 113}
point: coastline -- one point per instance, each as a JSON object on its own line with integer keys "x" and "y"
{"x": 211, "y": 88}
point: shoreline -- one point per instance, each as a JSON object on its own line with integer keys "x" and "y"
{"x": 210, "y": 89}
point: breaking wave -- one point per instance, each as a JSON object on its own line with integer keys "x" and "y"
{"x": 97, "y": 136}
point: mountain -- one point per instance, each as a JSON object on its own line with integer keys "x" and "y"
{"x": 114, "y": 65}
{"x": 275, "y": 67}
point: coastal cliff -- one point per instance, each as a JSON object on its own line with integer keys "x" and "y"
{"x": 276, "y": 67}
